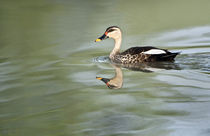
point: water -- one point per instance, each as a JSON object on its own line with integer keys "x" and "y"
{"x": 49, "y": 63}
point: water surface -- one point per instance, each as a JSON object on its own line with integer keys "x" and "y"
{"x": 49, "y": 63}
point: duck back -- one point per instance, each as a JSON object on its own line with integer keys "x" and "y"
{"x": 136, "y": 55}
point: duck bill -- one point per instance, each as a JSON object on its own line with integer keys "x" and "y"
{"x": 99, "y": 78}
{"x": 105, "y": 80}
{"x": 103, "y": 37}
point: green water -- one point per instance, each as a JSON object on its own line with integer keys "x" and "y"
{"x": 49, "y": 63}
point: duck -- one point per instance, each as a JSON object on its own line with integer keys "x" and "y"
{"x": 134, "y": 55}
{"x": 115, "y": 82}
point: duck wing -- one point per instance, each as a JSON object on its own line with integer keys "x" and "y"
{"x": 146, "y": 49}
{"x": 146, "y": 54}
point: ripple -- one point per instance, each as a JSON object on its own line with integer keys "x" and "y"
{"x": 185, "y": 80}
{"x": 194, "y": 36}
{"x": 102, "y": 59}
{"x": 117, "y": 124}
{"x": 85, "y": 77}
{"x": 199, "y": 61}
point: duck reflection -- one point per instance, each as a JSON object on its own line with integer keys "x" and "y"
{"x": 117, "y": 81}
{"x": 152, "y": 66}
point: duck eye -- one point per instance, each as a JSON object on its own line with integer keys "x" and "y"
{"x": 111, "y": 30}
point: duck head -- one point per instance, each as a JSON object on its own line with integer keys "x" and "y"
{"x": 108, "y": 83}
{"x": 116, "y": 82}
{"x": 111, "y": 32}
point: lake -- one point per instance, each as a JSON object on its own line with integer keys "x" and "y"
{"x": 49, "y": 63}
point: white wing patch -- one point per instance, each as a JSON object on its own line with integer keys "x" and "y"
{"x": 154, "y": 51}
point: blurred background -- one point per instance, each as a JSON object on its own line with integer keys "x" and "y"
{"x": 49, "y": 63}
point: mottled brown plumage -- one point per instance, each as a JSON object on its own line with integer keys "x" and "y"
{"x": 135, "y": 55}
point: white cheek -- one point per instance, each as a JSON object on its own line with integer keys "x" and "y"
{"x": 114, "y": 34}
{"x": 155, "y": 51}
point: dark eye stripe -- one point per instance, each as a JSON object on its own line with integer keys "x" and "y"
{"x": 110, "y": 30}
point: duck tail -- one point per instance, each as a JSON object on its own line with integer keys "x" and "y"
{"x": 170, "y": 56}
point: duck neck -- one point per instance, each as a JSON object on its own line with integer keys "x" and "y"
{"x": 118, "y": 78}
{"x": 116, "y": 49}
{"x": 118, "y": 74}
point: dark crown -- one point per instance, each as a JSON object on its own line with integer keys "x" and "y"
{"x": 111, "y": 28}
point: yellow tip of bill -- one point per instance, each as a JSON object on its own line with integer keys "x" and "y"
{"x": 97, "y": 40}
{"x": 99, "y": 78}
